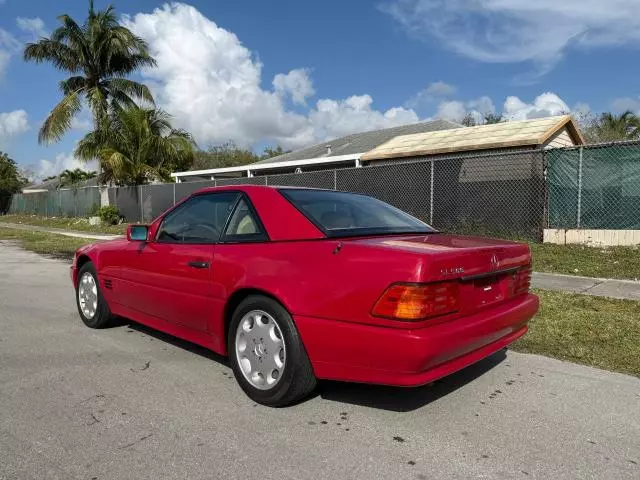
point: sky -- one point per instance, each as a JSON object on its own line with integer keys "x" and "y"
{"x": 295, "y": 73}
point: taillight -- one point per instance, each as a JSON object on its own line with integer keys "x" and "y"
{"x": 522, "y": 280}
{"x": 417, "y": 302}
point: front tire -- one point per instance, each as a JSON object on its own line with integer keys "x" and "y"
{"x": 92, "y": 307}
{"x": 266, "y": 353}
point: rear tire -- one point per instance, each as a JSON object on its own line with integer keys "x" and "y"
{"x": 92, "y": 307}
{"x": 260, "y": 331}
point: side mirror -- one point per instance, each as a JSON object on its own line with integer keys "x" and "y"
{"x": 138, "y": 233}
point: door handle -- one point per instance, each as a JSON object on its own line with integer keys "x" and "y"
{"x": 198, "y": 264}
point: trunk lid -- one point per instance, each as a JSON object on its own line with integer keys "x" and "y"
{"x": 488, "y": 271}
{"x": 456, "y": 256}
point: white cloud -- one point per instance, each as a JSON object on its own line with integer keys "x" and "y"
{"x": 12, "y": 124}
{"x": 62, "y": 161}
{"x": 440, "y": 89}
{"x": 295, "y": 83}
{"x": 507, "y": 31}
{"x": 626, "y": 103}
{"x": 581, "y": 109}
{"x": 432, "y": 92}
{"x": 456, "y": 110}
{"x": 334, "y": 118}
{"x": 8, "y": 47}
{"x": 545, "y": 105}
{"x": 211, "y": 84}
{"x": 483, "y": 105}
{"x": 32, "y": 26}
{"x": 453, "y": 111}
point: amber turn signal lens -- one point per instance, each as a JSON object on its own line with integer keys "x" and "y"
{"x": 417, "y": 302}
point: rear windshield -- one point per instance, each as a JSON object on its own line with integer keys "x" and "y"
{"x": 340, "y": 214}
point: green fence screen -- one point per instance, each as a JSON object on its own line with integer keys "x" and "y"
{"x": 595, "y": 187}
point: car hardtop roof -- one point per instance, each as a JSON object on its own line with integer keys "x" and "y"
{"x": 248, "y": 188}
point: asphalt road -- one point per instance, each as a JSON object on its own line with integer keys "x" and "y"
{"x": 129, "y": 403}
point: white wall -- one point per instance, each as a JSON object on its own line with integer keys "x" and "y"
{"x": 560, "y": 139}
{"x": 593, "y": 238}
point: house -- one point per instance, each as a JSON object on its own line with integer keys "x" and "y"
{"x": 54, "y": 184}
{"x": 491, "y": 175}
{"x": 341, "y": 152}
{"x": 539, "y": 133}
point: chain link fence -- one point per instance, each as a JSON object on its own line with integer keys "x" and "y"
{"x": 513, "y": 194}
{"x": 595, "y": 187}
{"x": 78, "y": 202}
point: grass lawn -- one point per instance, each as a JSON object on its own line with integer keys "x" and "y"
{"x": 76, "y": 224}
{"x": 612, "y": 262}
{"x": 49, "y": 244}
{"x": 594, "y": 331}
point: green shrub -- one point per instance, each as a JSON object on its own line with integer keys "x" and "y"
{"x": 109, "y": 215}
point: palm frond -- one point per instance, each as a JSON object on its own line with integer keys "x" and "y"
{"x": 72, "y": 84}
{"x": 130, "y": 88}
{"x": 60, "y": 55}
{"x": 59, "y": 120}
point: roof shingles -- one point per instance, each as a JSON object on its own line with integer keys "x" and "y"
{"x": 482, "y": 137}
{"x": 360, "y": 142}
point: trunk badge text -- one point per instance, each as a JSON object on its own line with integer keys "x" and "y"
{"x": 451, "y": 271}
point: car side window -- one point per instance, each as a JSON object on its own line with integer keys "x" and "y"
{"x": 244, "y": 225}
{"x": 200, "y": 220}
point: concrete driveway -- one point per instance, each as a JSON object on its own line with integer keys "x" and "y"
{"x": 131, "y": 403}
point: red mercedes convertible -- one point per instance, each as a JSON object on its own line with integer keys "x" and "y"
{"x": 296, "y": 285}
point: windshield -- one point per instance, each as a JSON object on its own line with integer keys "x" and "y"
{"x": 347, "y": 214}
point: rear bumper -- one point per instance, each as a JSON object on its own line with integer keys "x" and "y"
{"x": 372, "y": 354}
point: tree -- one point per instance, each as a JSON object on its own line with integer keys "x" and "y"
{"x": 229, "y": 154}
{"x": 468, "y": 120}
{"x": 491, "y": 118}
{"x": 98, "y": 55}
{"x": 225, "y": 155}
{"x": 71, "y": 178}
{"x": 270, "y": 152}
{"x": 10, "y": 181}
{"x": 136, "y": 146}
{"x": 608, "y": 127}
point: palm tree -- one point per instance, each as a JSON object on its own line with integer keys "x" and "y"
{"x": 98, "y": 55}
{"x": 137, "y": 145}
{"x": 71, "y": 178}
{"x": 610, "y": 127}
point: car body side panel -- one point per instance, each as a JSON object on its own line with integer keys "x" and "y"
{"x": 310, "y": 279}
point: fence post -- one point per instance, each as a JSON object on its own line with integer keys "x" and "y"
{"x": 266, "y": 180}
{"x": 174, "y": 193}
{"x": 141, "y": 204}
{"x": 431, "y": 200}
{"x": 579, "y": 188}
{"x": 335, "y": 179}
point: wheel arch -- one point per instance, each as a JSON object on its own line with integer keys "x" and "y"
{"x": 82, "y": 260}
{"x": 237, "y": 297}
